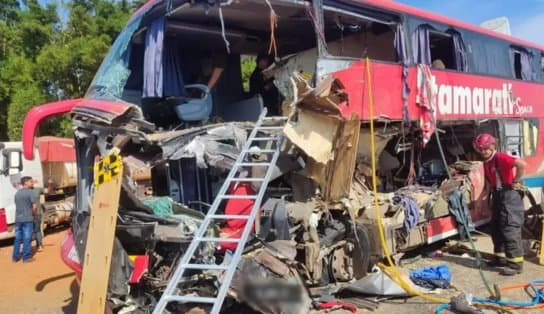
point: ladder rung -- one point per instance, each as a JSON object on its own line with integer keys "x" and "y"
{"x": 245, "y": 217}
{"x": 251, "y": 164}
{"x": 268, "y": 138}
{"x": 230, "y": 240}
{"x": 269, "y": 151}
{"x": 270, "y": 128}
{"x": 238, "y": 197}
{"x": 205, "y": 266}
{"x": 192, "y": 299}
{"x": 281, "y": 118}
{"x": 247, "y": 179}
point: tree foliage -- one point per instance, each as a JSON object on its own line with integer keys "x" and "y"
{"x": 45, "y": 58}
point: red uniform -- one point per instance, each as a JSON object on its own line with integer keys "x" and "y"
{"x": 504, "y": 163}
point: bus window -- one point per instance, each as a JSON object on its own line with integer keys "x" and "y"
{"x": 440, "y": 50}
{"x": 441, "y": 45}
{"x": 542, "y": 67}
{"x": 354, "y": 37}
{"x": 530, "y": 136}
{"x": 517, "y": 64}
{"x": 520, "y": 60}
{"x": 520, "y": 137}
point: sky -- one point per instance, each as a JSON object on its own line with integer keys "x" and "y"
{"x": 526, "y": 16}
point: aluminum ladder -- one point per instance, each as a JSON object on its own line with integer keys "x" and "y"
{"x": 171, "y": 294}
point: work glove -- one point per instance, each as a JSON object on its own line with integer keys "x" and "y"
{"x": 518, "y": 186}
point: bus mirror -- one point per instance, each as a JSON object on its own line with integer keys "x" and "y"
{"x": 13, "y": 161}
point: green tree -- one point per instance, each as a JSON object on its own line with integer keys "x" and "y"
{"x": 42, "y": 59}
{"x": 248, "y": 66}
{"x": 16, "y": 75}
{"x": 23, "y": 100}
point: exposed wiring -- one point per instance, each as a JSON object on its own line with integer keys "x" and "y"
{"x": 223, "y": 33}
{"x": 464, "y": 221}
{"x": 317, "y": 25}
{"x": 392, "y": 270}
{"x": 273, "y": 47}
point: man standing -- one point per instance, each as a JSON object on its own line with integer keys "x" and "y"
{"x": 25, "y": 209}
{"x": 38, "y": 229}
{"x": 265, "y": 87}
{"x": 507, "y": 205}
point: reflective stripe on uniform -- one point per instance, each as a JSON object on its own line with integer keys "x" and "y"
{"x": 500, "y": 254}
{"x": 518, "y": 259}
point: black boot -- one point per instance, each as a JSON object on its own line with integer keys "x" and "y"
{"x": 497, "y": 262}
{"x": 511, "y": 269}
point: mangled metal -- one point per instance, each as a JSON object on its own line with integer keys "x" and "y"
{"x": 332, "y": 147}
{"x": 316, "y": 232}
{"x": 319, "y": 232}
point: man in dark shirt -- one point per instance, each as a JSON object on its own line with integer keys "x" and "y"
{"x": 507, "y": 205}
{"x": 25, "y": 209}
{"x": 265, "y": 87}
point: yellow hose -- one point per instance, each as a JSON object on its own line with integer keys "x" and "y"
{"x": 392, "y": 271}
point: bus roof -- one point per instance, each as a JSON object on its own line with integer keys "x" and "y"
{"x": 403, "y": 8}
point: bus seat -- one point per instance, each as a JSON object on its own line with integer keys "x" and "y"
{"x": 245, "y": 110}
{"x": 195, "y": 109}
{"x": 132, "y": 96}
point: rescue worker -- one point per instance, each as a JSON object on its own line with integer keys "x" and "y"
{"x": 507, "y": 206}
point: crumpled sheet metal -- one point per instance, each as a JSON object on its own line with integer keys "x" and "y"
{"x": 377, "y": 283}
{"x": 207, "y": 146}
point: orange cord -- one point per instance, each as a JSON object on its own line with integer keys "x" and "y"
{"x": 273, "y": 24}
{"x": 522, "y": 285}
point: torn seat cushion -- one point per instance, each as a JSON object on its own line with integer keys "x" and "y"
{"x": 235, "y": 227}
{"x": 239, "y": 206}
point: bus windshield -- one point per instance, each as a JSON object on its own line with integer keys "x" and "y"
{"x": 110, "y": 80}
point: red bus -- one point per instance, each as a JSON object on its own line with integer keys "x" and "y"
{"x": 430, "y": 74}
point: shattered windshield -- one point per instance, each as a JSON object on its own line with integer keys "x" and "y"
{"x": 110, "y": 80}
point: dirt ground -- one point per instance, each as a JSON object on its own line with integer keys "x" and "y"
{"x": 48, "y": 286}
{"x": 45, "y": 285}
{"x": 466, "y": 278}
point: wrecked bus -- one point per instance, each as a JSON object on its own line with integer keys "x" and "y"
{"x": 169, "y": 96}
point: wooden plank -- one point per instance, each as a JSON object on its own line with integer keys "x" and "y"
{"x": 339, "y": 173}
{"x": 100, "y": 236}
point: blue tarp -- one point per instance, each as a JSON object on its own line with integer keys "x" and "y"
{"x": 432, "y": 276}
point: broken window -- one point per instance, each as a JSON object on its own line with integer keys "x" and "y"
{"x": 521, "y": 60}
{"x": 517, "y": 64}
{"x": 354, "y": 37}
{"x": 520, "y": 137}
{"x": 539, "y": 71}
{"x": 542, "y": 64}
{"x": 441, "y": 50}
